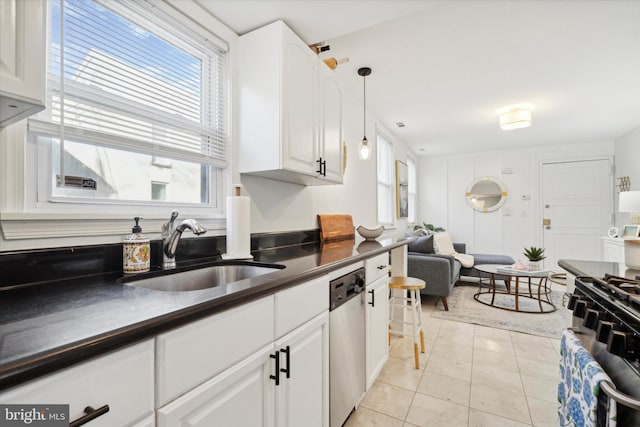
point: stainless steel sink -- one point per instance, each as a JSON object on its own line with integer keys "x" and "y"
{"x": 201, "y": 278}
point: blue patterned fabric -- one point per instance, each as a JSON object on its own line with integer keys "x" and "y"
{"x": 579, "y": 385}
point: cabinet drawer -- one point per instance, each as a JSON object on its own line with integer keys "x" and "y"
{"x": 299, "y": 304}
{"x": 242, "y": 395}
{"x": 189, "y": 355}
{"x": 377, "y": 267}
{"x": 122, "y": 379}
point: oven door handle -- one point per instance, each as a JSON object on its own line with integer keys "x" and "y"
{"x": 621, "y": 398}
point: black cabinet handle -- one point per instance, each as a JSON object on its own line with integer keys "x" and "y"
{"x": 287, "y": 370}
{"x": 382, "y": 267}
{"x": 322, "y": 167}
{"x": 373, "y": 298}
{"x": 90, "y": 414}
{"x": 276, "y": 377}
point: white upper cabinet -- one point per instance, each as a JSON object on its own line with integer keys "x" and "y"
{"x": 290, "y": 110}
{"x": 331, "y": 124}
{"x": 22, "y": 59}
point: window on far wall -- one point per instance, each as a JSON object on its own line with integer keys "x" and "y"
{"x": 386, "y": 180}
{"x": 411, "y": 166}
{"x": 135, "y": 101}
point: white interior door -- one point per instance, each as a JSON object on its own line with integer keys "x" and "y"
{"x": 576, "y": 209}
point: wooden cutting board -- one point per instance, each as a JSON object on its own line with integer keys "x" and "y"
{"x": 336, "y": 227}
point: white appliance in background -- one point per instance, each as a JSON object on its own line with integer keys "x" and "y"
{"x": 632, "y": 253}
{"x": 571, "y": 283}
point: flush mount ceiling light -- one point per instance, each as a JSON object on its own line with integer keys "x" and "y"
{"x": 515, "y": 116}
{"x": 365, "y": 151}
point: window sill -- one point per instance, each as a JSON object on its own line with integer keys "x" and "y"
{"x": 21, "y": 225}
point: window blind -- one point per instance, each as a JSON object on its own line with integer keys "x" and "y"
{"x": 385, "y": 180}
{"x": 121, "y": 75}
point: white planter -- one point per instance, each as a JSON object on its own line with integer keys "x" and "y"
{"x": 534, "y": 265}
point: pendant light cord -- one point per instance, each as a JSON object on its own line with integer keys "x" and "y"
{"x": 364, "y": 109}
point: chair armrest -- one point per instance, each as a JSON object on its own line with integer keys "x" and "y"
{"x": 434, "y": 267}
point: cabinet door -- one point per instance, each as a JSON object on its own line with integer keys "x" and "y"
{"x": 302, "y": 399}
{"x": 299, "y": 120}
{"x": 239, "y": 397}
{"x": 613, "y": 249}
{"x": 377, "y": 325}
{"x": 331, "y": 124}
{"x": 22, "y": 59}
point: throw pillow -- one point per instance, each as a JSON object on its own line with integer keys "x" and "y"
{"x": 443, "y": 244}
{"x": 422, "y": 244}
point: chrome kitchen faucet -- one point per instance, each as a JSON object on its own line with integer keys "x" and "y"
{"x": 171, "y": 237}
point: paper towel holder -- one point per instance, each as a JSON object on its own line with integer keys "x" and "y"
{"x": 238, "y": 239}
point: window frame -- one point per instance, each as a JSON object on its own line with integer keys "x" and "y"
{"x": 27, "y": 224}
{"x": 391, "y": 198}
{"x": 413, "y": 190}
{"x": 141, "y": 16}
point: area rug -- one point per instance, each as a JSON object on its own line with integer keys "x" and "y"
{"x": 463, "y": 308}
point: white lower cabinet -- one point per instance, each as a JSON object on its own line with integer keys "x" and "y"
{"x": 377, "y": 316}
{"x": 302, "y": 396}
{"x": 123, "y": 380}
{"x": 214, "y": 381}
{"x": 285, "y": 384}
{"x": 613, "y": 249}
{"x": 377, "y": 326}
{"x": 240, "y": 396}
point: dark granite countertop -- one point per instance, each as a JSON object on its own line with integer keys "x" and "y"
{"x": 597, "y": 269}
{"x": 49, "y": 326}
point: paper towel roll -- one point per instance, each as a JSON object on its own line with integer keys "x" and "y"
{"x": 238, "y": 228}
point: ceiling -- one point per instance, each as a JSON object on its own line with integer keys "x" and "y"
{"x": 443, "y": 68}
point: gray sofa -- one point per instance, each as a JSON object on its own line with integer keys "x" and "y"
{"x": 441, "y": 272}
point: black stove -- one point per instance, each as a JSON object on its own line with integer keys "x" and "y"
{"x": 606, "y": 318}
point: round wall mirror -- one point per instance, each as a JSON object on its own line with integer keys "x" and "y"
{"x": 486, "y": 194}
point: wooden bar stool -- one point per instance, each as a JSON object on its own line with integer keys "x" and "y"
{"x": 412, "y": 285}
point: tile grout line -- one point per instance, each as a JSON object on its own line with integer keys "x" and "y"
{"x": 524, "y": 391}
{"x": 473, "y": 353}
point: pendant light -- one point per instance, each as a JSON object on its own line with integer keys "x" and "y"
{"x": 365, "y": 151}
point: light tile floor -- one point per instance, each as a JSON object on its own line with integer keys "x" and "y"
{"x": 469, "y": 375}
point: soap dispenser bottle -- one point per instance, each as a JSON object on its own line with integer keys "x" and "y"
{"x": 136, "y": 251}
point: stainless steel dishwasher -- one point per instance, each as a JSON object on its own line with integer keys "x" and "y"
{"x": 347, "y": 374}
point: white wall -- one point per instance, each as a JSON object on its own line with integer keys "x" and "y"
{"x": 443, "y": 181}
{"x": 627, "y": 152}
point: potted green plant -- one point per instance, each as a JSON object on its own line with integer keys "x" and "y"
{"x": 535, "y": 256}
{"x": 429, "y": 227}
